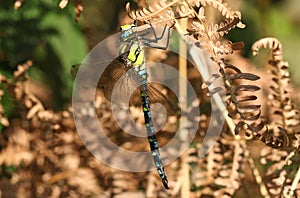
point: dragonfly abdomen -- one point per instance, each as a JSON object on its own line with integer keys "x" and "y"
{"x": 152, "y": 138}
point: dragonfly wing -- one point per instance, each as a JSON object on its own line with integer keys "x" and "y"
{"x": 111, "y": 76}
{"x": 120, "y": 84}
{"x": 156, "y": 96}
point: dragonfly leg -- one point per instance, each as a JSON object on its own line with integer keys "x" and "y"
{"x": 163, "y": 32}
{"x": 154, "y": 42}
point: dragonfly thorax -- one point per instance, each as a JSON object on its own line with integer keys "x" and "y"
{"x": 128, "y": 32}
{"x": 133, "y": 53}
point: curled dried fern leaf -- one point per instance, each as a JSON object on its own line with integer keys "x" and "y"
{"x": 241, "y": 104}
{"x": 284, "y": 115}
{"x": 163, "y": 12}
{"x": 241, "y": 99}
{"x": 270, "y": 43}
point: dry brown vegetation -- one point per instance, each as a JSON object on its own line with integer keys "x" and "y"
{"x": 43, "y": 156}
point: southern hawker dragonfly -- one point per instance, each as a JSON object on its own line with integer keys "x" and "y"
{"x": 132, "y": 61}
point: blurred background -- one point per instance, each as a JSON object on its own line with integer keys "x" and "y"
{"x": 51, "y": 37}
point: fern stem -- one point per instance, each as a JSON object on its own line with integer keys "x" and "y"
{"x": 185, "y": 176}
{"x": 183, "y": 67}
{"x": 185, "y": 186}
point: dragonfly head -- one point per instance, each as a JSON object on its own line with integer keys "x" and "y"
{"x": 127, "y": 32}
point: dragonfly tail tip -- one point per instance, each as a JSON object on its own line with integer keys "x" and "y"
{"x": 165, "y": 182}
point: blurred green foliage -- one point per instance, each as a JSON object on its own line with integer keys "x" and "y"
{"x": 41, "y": 31}
{"x": 100, "y": 20}
{"x": 7, "y": 171}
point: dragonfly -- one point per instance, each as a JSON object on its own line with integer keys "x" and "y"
{"x": 132, "y": 60}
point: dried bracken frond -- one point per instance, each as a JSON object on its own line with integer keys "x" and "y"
{"x": 284, "y": 116}
{"x": 209, "y": 37}
{"x": 208, "y": 34}
{"x": 223, "y": 49}
{"x": 17, "y": 150}
{"x": 242, "y": 109}
{"x": 218, "y": 174}
{"x": 184, "y": 11}
{"x": 49, "y": 162}
{"x": 284, "y": 124}
{"x": 280, "y": 171}
{"x": 158, "y": 14}
{"x": 231, "y": 179}
{"x": 21, "y": 93}
{"x": 240, "y": 103}
{"x": 270, "y": 43}
{"x": 218, "y": 4}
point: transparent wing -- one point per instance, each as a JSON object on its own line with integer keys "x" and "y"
{"x": 156, "y": 96}
{"x": 121, "y": 86}
{"x": 111, "y": 76}
{"x": 112, "y": 73}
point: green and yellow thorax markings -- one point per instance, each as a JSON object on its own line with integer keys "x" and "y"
{"x": 132, "y": 50}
